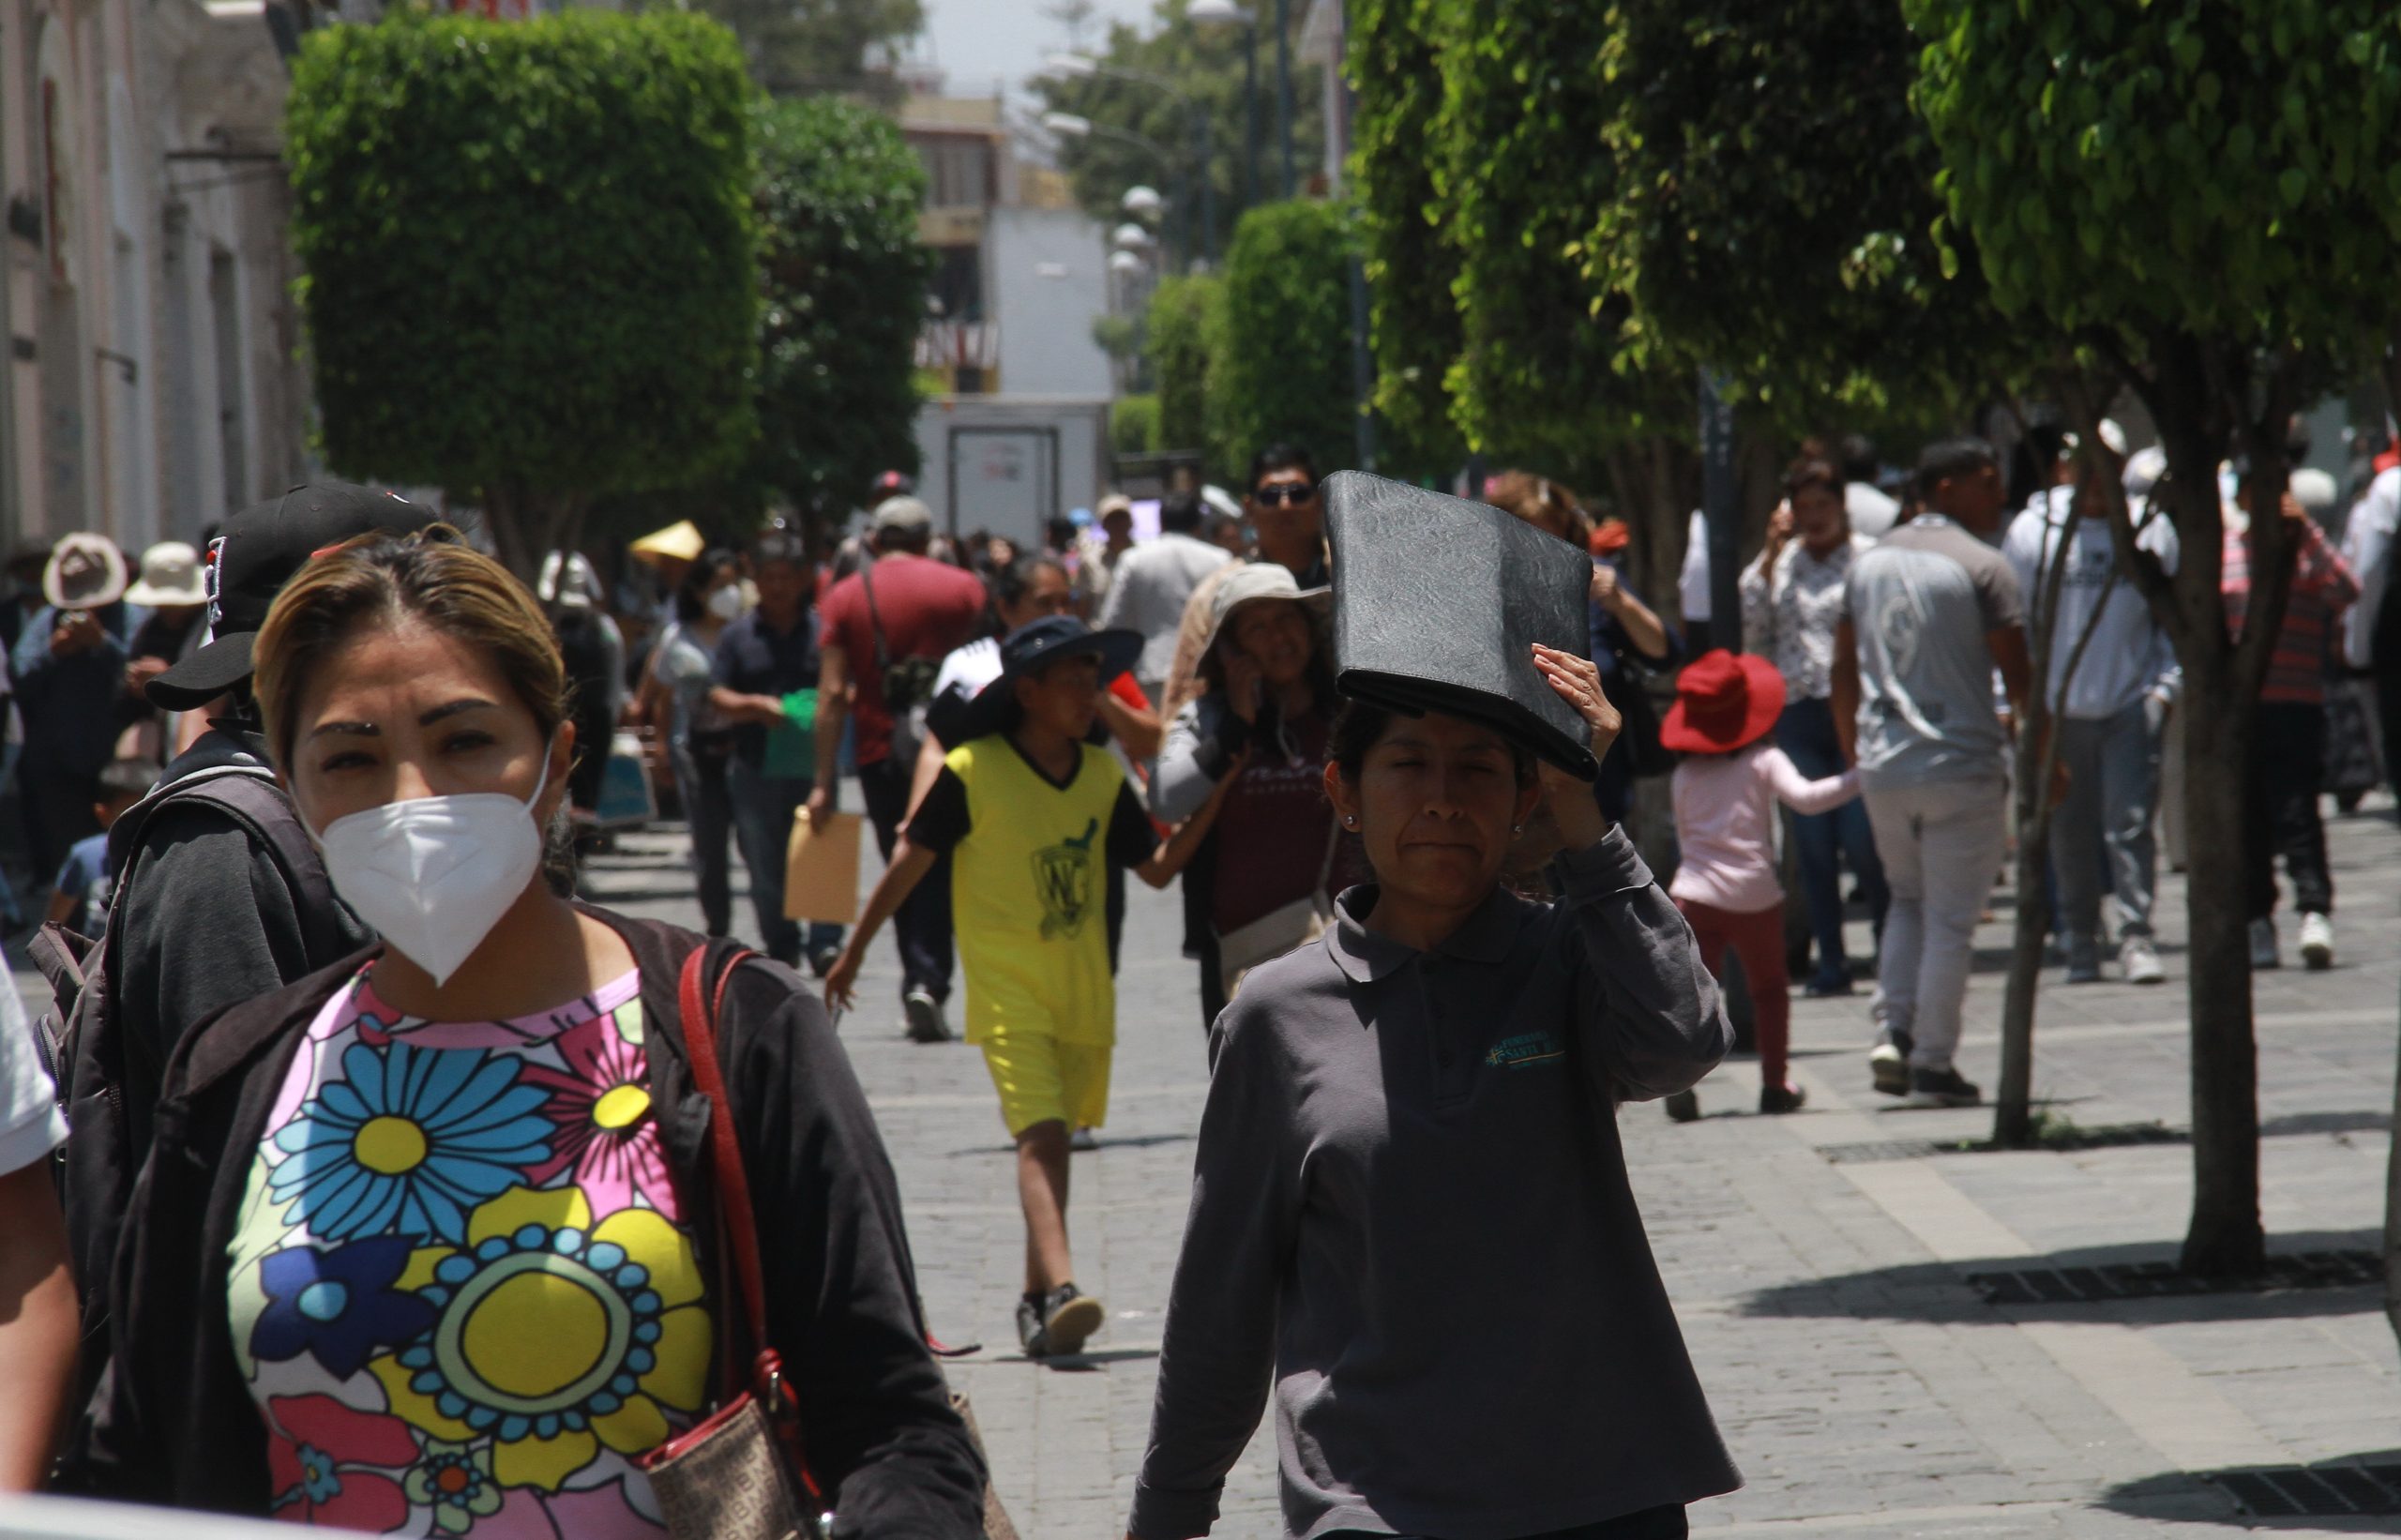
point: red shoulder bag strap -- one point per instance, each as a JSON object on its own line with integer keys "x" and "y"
{"x": 701, "y": 1009}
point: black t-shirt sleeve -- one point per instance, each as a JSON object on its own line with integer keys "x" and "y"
{"x": 1132, "y": 840}
{"x": 941, "y": 821}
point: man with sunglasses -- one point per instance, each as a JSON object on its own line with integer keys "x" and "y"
{"x": 1288, "y": 518}
{"x": 1287, "y": 514}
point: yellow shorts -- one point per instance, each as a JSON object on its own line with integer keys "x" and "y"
{"x": 1042, "y": 1079}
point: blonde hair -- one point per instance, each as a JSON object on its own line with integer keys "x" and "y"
{"x": 1541, "y": 503}
{"x": 383, "y": 581}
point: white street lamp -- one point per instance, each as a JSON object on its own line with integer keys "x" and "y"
{"x": 1126, "y": 262}
{"x": 1067, "y": 125}
{"x": 1142, "y": 202}
{"x": 1217, "y": 13}
{"x": 1069, "y": 64}
{"x": 1131, "y": 237}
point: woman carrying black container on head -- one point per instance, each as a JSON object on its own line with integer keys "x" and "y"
{"x": 1411, "y": 1215}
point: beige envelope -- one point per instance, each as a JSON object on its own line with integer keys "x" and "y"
{"x": 821, "y": 872}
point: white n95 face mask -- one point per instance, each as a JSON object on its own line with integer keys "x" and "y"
{"x": 727, "y": 603}
{"x": 433, "y": 875}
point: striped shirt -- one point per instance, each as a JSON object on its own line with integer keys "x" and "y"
{"x": 2322, "y": 589}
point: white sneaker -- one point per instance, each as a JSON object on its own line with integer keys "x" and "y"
{"x": 2263, "y": 945}
{"x": 2139, "y": 961}
{"x": 2316, "y": 942}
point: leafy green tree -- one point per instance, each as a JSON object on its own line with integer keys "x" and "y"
{"x": 1479, "y": 200}
{"x": 844, "y": 281}
{"x": 1284, "y": 373}
{"x": 1411, "y": 262}
{"x": 1772, "y": 211}
{"x": 1187, "y": 333}
{"x": 814, "y": 45}
{"x": 2204, "y": 197}
{"x": 1134, "y": 425}
{"x": 1204, "y": 66}
{"x": 528, "y": 250}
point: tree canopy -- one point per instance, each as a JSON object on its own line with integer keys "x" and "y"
{"x": 529, "y": 256}
{"x": 1202, "y": 64}
{"x": 1285, "y": 369}
{"x": 814, "y": 45}
{"x": 843, "y": 279}
{"x": 1774, "y": 211}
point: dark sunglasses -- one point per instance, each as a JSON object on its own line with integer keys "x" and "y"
{"x": 1268, "y": 497}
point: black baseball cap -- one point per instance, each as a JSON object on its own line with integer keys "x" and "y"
{"x": 259, "y": 551}
{"x": 1031, "y": 646}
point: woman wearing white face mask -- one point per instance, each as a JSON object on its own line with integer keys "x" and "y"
{"x": 430, "y": 1240}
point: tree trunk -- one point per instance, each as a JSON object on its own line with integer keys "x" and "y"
{"x": 2013, "y": 1123}
{"x": 2224, "y": 1236}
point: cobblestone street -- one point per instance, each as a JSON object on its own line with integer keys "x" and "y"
{"x": 1820, "y": 1262}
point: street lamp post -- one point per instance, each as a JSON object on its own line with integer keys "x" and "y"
{"x": 1198, "y": 115}
{"x": 1284, "y": 89}
{"x": 1223, "y": 13}
{"x": 1070, "y": 125}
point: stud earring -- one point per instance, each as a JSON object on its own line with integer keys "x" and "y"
{"x": 1350, "y": 822}
{"x": 1517, "y": 828}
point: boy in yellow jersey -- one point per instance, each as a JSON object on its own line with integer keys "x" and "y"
{"x": 1033, "y": 814}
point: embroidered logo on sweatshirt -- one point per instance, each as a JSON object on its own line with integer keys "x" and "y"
{"x": 1526, "y": 1051}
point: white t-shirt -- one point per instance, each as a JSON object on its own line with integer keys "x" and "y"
{"x": 1692, "y": 583}
{"x": 1871, "y": 511}
{"x": 30, "y": 1126}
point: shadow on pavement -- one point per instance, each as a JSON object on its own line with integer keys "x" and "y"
{"x": 1940, "y": 1290}
{"x": 2361, "y": 1491}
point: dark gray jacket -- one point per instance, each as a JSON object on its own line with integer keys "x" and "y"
{"x": 1411, "y": 1219}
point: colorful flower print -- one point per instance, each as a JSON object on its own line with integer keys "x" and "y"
{"x": 556, "y": 1336}
{"x": 605, "y": 1131}
{"x": 409, "y": 1140}
{"x": 339, "y": 1304}
{"x": 457, "y": 1483}
{"x": 314, "y": 1448}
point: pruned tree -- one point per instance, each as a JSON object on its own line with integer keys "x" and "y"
{"x": 2204, "y": 197}
{"x": 843, "y": 277}
{"x": 529, "y": 257}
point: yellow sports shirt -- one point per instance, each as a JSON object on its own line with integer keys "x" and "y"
{"x": 1028, "y": 890}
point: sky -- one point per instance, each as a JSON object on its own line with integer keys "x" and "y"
{"x": 982, "y": 43}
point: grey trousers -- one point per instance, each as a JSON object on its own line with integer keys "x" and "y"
{"x": 2112, "y": 790}
{"x": 1942, "y": 844}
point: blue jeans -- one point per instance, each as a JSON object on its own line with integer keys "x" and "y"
{"x": 764, "y": 809}
{"x": 1806, "y": 733}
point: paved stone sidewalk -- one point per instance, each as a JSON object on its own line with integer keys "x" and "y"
{"x": 1863, "y": 1386}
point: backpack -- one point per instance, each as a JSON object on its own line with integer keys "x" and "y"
{"x": 86, "y": 1049}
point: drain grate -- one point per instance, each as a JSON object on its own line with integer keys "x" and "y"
{"x": 2156, "y": 1280}
{"x": 2313, "y": 1491}
{"x": 1891, "y": 1148}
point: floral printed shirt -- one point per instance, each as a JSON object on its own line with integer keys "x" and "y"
{"x": 459, "y": 1290}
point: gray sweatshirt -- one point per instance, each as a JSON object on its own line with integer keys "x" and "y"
{"x": 1411, "y": 1219}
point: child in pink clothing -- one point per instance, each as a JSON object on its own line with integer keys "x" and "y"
{"x": 1726, "y": 791}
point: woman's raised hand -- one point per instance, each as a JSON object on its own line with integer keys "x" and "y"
{"x": 1577, "y": 680}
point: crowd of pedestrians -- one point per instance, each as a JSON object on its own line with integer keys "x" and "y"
{"x": 402, "y": 1191}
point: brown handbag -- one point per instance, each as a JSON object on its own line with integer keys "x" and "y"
{"x": 741, "y": 1473}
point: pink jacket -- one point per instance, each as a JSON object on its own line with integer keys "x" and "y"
{"x": 1726, "y": 823}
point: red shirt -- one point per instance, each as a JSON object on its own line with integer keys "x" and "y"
{"x": 927, "y": 608}
{"x": 2322, "y": 589}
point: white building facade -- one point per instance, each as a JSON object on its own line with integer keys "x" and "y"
{"x": 153, "y": 382}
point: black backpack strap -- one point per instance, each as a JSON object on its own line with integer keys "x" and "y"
{"x": 263, "y": 807}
